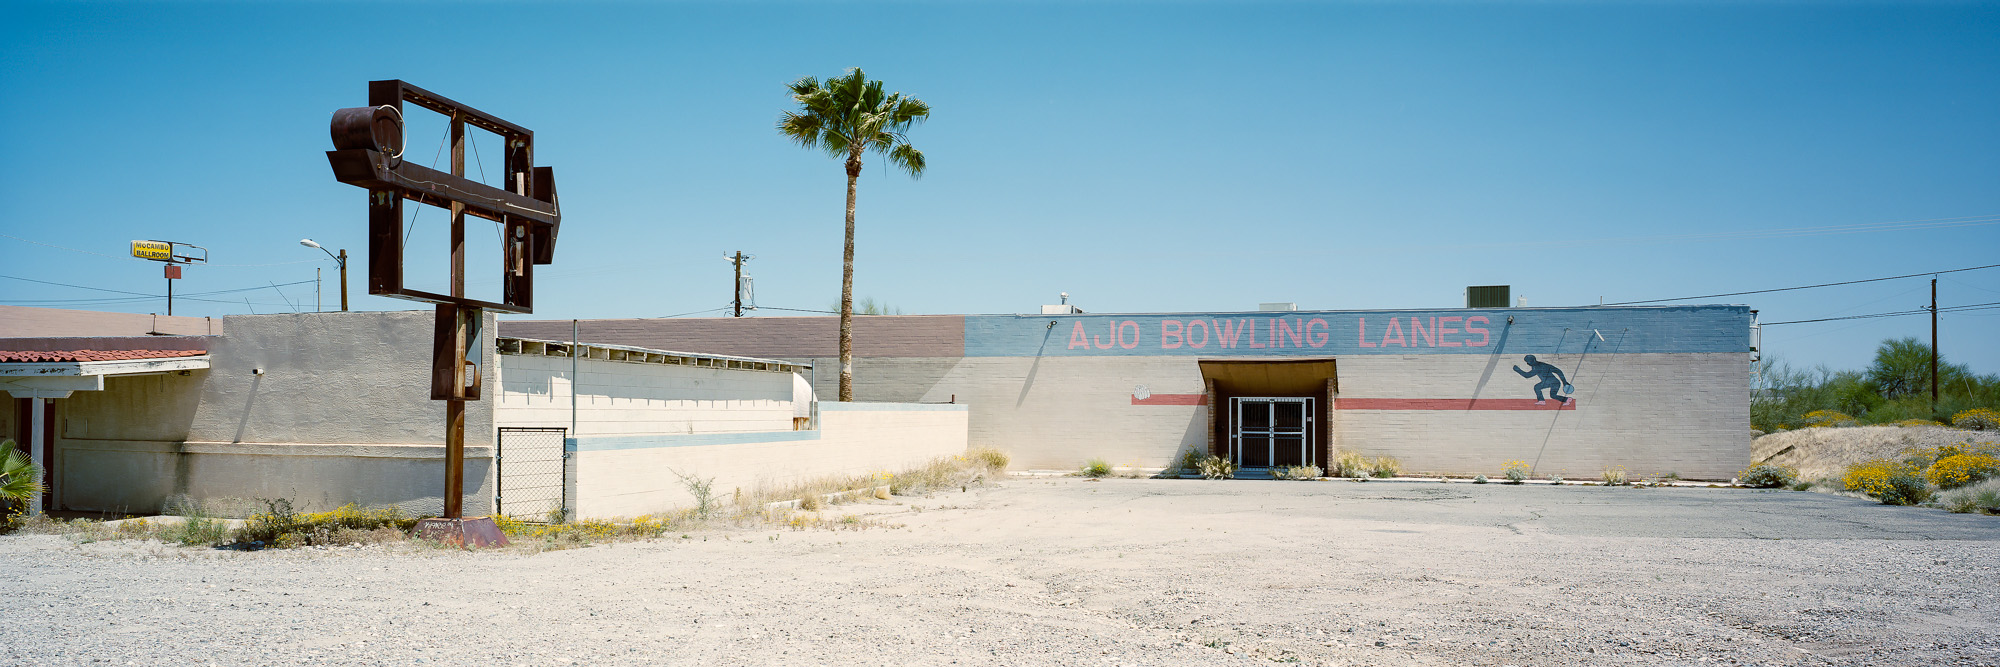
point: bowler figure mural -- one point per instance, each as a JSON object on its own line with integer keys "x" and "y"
{"x": 1552, "y": 381}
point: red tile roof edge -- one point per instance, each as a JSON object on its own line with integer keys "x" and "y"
{"x": 60, "y": 356}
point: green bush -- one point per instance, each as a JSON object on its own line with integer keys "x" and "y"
{"x": 1517, "y": 472}
{"x": 1478, "y": 479}
{"x": 1615, "y": 476}
{"x": 1095, "y": 468}
{"x": 1767, "y": 476}
{"x": 1980, "y": 499}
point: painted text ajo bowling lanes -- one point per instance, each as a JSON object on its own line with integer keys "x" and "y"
{"x": 1284, "y": 333}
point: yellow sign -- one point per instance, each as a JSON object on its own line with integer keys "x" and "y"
{"x": 159, "y": 250}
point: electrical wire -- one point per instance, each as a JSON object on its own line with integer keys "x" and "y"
{"x": 1899, "y": 313}
{"x": 145, "y": 295}
{"x": 800, "y": 310}
{"x": 1787, "y": 289}
{"x": 698, "y": 312}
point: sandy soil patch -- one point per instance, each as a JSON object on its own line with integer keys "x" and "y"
{"x": 1073, "y": 572}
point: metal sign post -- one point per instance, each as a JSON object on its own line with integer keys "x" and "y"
{"x": 368, "y": 151}
{"x": 174, "y": 254}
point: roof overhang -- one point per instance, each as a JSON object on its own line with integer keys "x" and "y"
{"x": 56, "y": 379}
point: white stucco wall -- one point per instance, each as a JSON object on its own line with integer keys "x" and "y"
{"x": 342, "y": 413}
{"x": 629, "y": 398}
{"x": 635, "y": 475}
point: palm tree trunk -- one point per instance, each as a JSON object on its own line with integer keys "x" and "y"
{"x": 847, "y": 288}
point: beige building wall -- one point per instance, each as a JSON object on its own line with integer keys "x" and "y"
{"x": 635, "y": 475}
{"x": 340, "y": 413}
{"x": 25, "y": 322}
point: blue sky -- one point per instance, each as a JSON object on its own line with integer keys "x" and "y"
{"x": 1142, "y": 157}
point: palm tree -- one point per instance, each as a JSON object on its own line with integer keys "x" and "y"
{"x": 847, "y": 116}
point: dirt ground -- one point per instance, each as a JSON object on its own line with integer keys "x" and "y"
{"x": 1075, "y": 572}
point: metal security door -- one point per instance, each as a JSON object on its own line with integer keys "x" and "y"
{"x": 533, "y": 478}
{"x": 1271, "y": 432}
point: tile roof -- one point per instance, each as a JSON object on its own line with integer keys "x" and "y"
{"x": 57, "y": 356}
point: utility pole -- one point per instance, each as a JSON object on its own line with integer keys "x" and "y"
{"x": 737, "y": 260}
{"x": 343, "y": 280}
{"x": 1934, "y": 351}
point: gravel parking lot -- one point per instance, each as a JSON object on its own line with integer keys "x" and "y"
{"x": 1075, "y": 572}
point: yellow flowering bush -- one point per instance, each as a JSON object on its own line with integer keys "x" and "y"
{"x": 1977, "y": 419}
{"x": 1890, "y": 481}
{"x": 1826, "y": 418}
{"x": 1517, "y": 472}
{"x": 1958, "y": 470}
{"x": 1916, "y": 422}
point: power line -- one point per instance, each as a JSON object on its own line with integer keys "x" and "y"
{"x": 1899, "y": 313}
{"x": 800, "y": 310}
{"x": 143, "y": 294}
{"x": 1787, "y": 289}
{"x": 698, "y": 312}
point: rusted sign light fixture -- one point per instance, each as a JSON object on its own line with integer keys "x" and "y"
{"x": 368, "y": 153}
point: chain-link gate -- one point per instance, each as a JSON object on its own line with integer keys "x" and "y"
{"x": 532, "y": 469}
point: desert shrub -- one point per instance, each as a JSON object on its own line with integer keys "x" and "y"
{"x": 1767, "y": 476}
{"x": 1958, "y": 470}
{"x": 1915, "y": 422}
{"x": 992, "y": 459}
{"x": 812, "y": 502}
{"x": 1555, "y": 479}
{"x": 1977, "y": 419}
{"x": 1478, "y": 479}
{"x": 1215, "y": 467}
{"x": 1351, "y": 464}
{"x": 1892, "y": 482}
{"x": 1517, "y": 472}
{"x": 1095, "y": 468}
{"x": 1615, "y": 476}
{"x": 282, "y": 526}
{"x": 1983, "y": 498}
{"x": 1385, "y": 466}
{"x": 1296, "y": 472}
{"x": 1825, "y": 418}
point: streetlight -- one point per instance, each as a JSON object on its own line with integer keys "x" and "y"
{"x": 340, "y": 259}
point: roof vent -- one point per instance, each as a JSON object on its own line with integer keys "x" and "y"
{"x": 1488, "y": 296}
{"x": 1278, "y": 306}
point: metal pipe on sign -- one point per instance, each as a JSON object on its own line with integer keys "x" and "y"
{"x": 573, "y": 377}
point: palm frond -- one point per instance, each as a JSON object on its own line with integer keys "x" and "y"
{"x": 847, "y": 114}
{"x": 20, "y": 478}
{"x": 909, "y": 159}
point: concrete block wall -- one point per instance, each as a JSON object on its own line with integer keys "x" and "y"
{"x": 624, "y": 398}
{"x": 624, "y": 476}
{"x": 341, "y": 413}
{"x": 1651, "y": 413}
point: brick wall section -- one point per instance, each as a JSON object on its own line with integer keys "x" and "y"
{"x": 875, "y": 336}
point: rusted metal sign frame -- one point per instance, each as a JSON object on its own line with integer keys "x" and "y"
{"x": 527, "y": 208}
{"x": 368, "y": 153}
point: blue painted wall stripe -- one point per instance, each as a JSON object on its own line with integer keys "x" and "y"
{"x": 1664, "y": 329}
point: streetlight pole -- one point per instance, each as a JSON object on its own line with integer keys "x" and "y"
{"x": 340, "y": 259}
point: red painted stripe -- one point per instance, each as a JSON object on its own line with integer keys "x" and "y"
{"x": 1172, "y": 399}
{"x": 1448, "y": 404}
